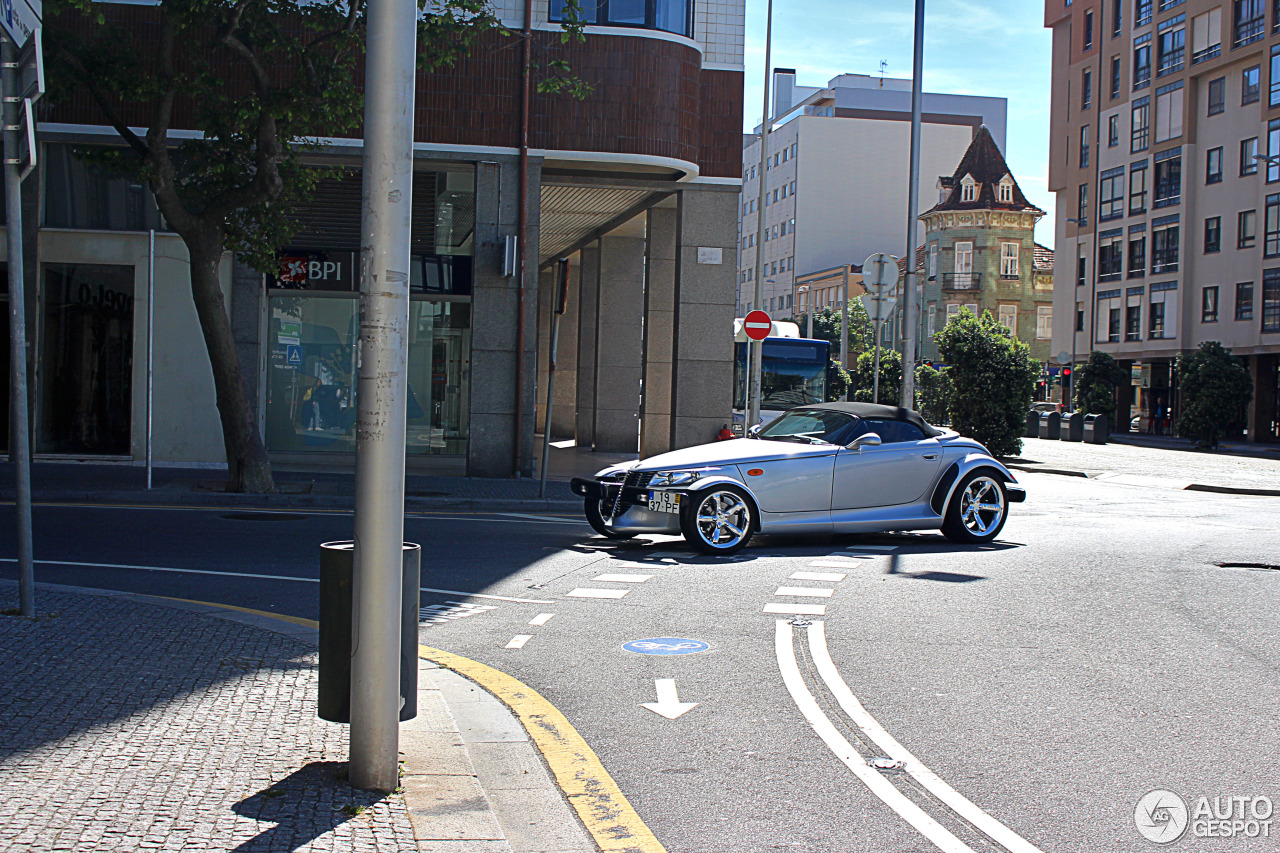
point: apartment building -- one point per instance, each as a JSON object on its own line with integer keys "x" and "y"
{"x": 1165, "y": 158}
{"x": 837, "y": 172}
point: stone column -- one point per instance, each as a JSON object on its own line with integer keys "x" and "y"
{"x": 618, "y": 357}
{"x": 564, "y": 408}
{"x": 702, "y": 392}
{"x": 588, "y": 319}
{"x": 659, "y": 323}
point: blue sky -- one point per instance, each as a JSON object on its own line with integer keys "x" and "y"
{"x": 996, "y": 48}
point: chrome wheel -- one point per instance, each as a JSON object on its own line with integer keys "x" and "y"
{"x": 718, "y": 521}
{"x": 982, "y": 506}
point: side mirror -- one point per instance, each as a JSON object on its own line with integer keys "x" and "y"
{"x": 869, "y": 439}
{"x": 754, "y": 430}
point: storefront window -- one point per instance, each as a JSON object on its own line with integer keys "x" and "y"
{"x": 669, "y": 15}
{"x": 79, "y": 193}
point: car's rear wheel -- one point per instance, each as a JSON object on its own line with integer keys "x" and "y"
{"x": 719, "y": 520}
{"x": 594, "y": 509}
{"x": 978, "y": 509}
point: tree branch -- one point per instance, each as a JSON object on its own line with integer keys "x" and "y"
{"x": 90, "y": 82}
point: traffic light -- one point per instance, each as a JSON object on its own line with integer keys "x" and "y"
{"x": 1064, "y": 378}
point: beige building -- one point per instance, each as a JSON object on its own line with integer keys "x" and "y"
{"x": 1168, "y": 230}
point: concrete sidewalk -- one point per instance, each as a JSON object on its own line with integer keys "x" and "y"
{"x": 134, "y": 723}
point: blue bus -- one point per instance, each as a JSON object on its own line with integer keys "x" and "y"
{"x": 794, "y": 374}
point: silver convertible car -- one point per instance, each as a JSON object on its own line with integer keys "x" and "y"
{"x": 830, "y": 468}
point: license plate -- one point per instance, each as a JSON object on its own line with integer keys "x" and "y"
{"x": 664, "y": 501}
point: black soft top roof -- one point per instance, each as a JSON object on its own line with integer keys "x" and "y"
{"x": 879, "y": 412}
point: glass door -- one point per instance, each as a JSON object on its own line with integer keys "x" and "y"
{"x": 86, "y": 360}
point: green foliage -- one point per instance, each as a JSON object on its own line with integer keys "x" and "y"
{"x": 838, "y": 381}
{"x": 1215, "y": 389}
{"x": 992, "y": 376}
{"x": 933, "y": 394}
{"x": 1095, "y": 384}
{"x": 826, "y": 326}
{"x": 864, "y": 374}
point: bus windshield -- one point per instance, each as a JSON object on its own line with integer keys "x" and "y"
{"x": 794, "y": 373}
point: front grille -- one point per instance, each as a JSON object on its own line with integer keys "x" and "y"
{"x": 639, "y": 480}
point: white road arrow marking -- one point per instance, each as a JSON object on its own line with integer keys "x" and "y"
{"x": 668, "y": 704}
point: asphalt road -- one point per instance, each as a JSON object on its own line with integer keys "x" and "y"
{"x": 1041, "y": 685}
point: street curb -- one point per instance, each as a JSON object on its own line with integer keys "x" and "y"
{"x": 1064, "y": 472}
{"x": 1232, "y": 490}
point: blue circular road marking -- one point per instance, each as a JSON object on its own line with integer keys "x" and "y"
{"x": 666, "y": 646}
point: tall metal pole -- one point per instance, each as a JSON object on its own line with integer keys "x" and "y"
{"x": 753, "y": 382}
{"x": 151, "y": 341}
{"x": 844, "y": 326}
{"x": 382, "y": 392}
{"x": 562, "y": 296}
{"x": 913, "y": 193}
{"x": 20, "y": 432}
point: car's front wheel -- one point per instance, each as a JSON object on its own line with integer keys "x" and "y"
{"x": 978, "y": 509}
{"x": 594, "y": 509}
{"x": 718, "y": 520}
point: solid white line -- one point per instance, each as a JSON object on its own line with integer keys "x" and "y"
{"x": 804, "y": 591}
{"x": 546, "y": 519}
{"x": 541, "y": 619}
{"x": 485, "y": 595}
{"x": 598, "y": 593}
{"x": 622, "y": 578}
{"x": 796, "y": 609}
{"x": 518, "y": 641}
{"x": 832, "y": 577}
{"x": 836, "y": 742}
{"x": 954, "y": 800}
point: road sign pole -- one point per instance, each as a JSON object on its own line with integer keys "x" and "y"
{"x": 20, "y": 433}
{"x": 844, "y": 327}
{"x": 913, "y": 193}
{"x": 382, "y": 393}
{"x": 753, "y": 380}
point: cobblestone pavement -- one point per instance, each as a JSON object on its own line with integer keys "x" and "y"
{"x": 127, "y": 726}
{"x": 1178, "y": 467}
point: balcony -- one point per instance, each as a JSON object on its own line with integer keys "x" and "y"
{"x": 961, "y": 281}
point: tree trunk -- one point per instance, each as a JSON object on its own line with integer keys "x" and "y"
{"x": 248, "y": 469}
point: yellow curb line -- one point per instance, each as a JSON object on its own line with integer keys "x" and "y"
{"x": 599, "y": 802}
{"x": 601, "y": 806}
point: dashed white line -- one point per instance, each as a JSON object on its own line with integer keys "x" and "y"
{"x": 805, "y": 591}
{"x": 518, "y": 641}
{"x": 622, "y": 578}
{"x": 598, "y": 593}
{"x": 541, "y": 619}
{"x": 796, "y": 609}
{"x": 832, "y": 577}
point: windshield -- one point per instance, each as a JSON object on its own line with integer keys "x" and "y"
{"x": 809, "y": 426}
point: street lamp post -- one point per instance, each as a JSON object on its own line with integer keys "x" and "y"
{"x": 913, "y": 193}
{"x": 808, "y": 312}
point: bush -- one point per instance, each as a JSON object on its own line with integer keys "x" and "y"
{"x": 992, "y": 376}
{"x": 864, "y": 373}
{"x": 1215, "y": 388}
{"x": 838, "y": 381}
{"x": 933, "y": 394}
{"x": 1095, "y": 385}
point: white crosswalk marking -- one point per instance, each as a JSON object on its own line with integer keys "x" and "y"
{"x": 518, "y": 641}
{"x": 541, "y": 619}
{"x": 804, "y": 591}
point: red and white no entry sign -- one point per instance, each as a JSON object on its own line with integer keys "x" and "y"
{"x": 757, "y": 325}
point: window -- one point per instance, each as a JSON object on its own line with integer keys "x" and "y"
{"x": 1142, "y": 13}
{"x": 1271, "y": 300}
{"x": 1113, "y": 326}
{"x": 1110, "y": 255}
{"x": 1155, "y": 323}
{"x": 1115, "y": 77}
{"x": 1244, "y": 300}
{"x": 1009, "y": 260}
{"x": 1271, "y": 227}
{"x": 1117, "y": 17}
{"x": 1142, "y": 61}
{"x": 81, "y": 194}
{"x": 1206, "y": 36}
{"x": 932, "y": 267}
{"x": 1165, "y": 5}
{"x": 793, "y": 187}
{"x": 1213, "y": 234}
{"x": 1082, "y": 271}
{"x": 1249, "y": 90}
{"x": 1164, "y": 246}
{"x": 1217, "y": 96}
{"x": 1133, "y": 322}
{"x": 1168, "y": 112}
{"x": 1171, "y": 41}
{"x": 1113, "y": 130}
{"x": 1140, "y": 136}
{"x": 1111, "y": 194}
{"x": 795, "y": 146}
{"x": 1209, "y": 304}
{"x": 1082, "y": 209}
{"x": 1009, "y": 318}
{"x": 1079, "y": 318}
{"x": 1138, "y": 188}
{"x": 968, "y": 188}
{"x": 1168, "y": 178}
{"x": 1274, "y": 96}
{"x": 1273, "y": 147}
{"x": 1006, "y": 190}
{"x": 1251, "y": 21}
{"x": 1137, "y": 256}
{"x": 964, "y": 265}
{"x": 1213, "y": 165}
{"x": 1248, "y": 156}
{"x": 1088, "y": 30}
{"x": 1044, "y": 322}
{"x": 672, "y": 16}
{"x": 1246, "y": 229}
{"x": 1084, "y": 146}
{"x": 1086, "y": 90}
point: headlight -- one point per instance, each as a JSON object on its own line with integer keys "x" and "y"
{"x": 677, "y": 478}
